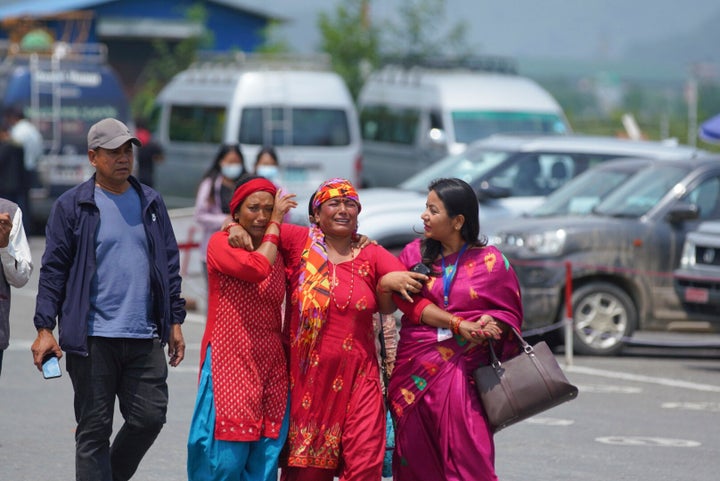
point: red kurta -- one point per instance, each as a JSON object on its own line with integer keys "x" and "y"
{"x": 337, "y": 405}
{"x": 244, "y": 324}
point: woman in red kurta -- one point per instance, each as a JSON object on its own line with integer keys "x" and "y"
{"x": 240, "y": 421}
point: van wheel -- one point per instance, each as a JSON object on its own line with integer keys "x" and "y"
{"x": 604, "y": 316}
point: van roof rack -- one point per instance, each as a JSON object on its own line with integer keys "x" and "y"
{"x": 478, "y": 63}
{"x": 260, "y": 61}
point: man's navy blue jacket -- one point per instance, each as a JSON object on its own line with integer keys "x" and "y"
{"x": 68, "y": 265}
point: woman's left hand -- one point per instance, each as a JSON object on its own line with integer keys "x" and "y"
{"x": 361, "y": 241}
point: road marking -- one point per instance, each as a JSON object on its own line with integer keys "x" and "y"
{"x": 602, "y": 388}
{"x": 692, "y": 406}
{"x": 551, "y": 421}
{"x": 641, "y": 378}
{"x": 648, "y": 441}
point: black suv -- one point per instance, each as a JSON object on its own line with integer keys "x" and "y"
{"x": 621, "y": 227}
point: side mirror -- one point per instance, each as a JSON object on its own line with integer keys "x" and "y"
{"x": 683, "y": 211}
{"x": 489, "y": 191}
{"x": 436, "y": 139}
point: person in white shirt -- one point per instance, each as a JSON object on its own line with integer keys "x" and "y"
{"x": 24, "y": 134}
{"x": 16, "y": 264}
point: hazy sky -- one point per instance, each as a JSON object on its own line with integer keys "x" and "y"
{"x": 530, "y": 28}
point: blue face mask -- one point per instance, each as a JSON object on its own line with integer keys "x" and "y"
{"x": 231, "y": 171}
{"x": 270, "y": 172}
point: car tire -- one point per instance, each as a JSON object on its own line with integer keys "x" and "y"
{"x": 604, "y": 317}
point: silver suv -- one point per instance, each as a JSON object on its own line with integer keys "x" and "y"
{"x": 510, "y": 174}
{"x": 697, "y": 281}
{"x": 621, "y": 234}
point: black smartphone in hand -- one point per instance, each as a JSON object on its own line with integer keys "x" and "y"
{"x": 421, "y": 269}
{"x": 51, "y": 367}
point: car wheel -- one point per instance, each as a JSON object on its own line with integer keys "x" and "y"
{"x": 603, "y": 317}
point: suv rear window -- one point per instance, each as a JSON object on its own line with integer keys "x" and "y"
{"x": 294, "y": 126}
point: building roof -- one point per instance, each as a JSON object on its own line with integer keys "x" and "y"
{"x": 39, "y": 8}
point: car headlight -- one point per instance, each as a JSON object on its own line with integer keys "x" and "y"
{"x": 688, "y": 255}
{"x": 548, "y": 243}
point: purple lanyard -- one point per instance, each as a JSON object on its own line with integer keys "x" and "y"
{"x": 448, "y": 274}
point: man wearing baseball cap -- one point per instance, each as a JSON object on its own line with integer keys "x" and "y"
{"x": 110, "y": 280}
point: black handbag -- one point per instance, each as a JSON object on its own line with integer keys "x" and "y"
{"x": 527, "y": 384}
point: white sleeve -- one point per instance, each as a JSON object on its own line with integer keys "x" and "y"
{"x": 16, "y": 257}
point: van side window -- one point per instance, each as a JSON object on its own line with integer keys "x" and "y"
{"x": 196, "y": 124}
{"x": 384, "y": 124}
{"x": 299, "y": 126}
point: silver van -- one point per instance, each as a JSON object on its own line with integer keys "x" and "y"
{"x": 411, "y": 117}
{"x": 297, "y": 105}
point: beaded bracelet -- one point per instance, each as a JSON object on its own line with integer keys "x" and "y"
{"x": 231, "y": 224}
{"x": 272, "y": 238}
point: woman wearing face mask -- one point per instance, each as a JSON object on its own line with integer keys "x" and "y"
{"x": 267, "y": 165}
{"x": 212, "y": 204}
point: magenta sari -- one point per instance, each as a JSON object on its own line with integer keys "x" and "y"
{"x": 441, "y": 431}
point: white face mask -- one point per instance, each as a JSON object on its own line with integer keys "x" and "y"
{"x": 270, "y": 172}
{"x": 231, "y": 171}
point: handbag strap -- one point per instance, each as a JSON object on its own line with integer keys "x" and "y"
{"x": 383, "y": 362}
{"x": 495, "y": 362}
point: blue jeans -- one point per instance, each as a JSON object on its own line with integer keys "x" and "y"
{"x": 134, "y": 371}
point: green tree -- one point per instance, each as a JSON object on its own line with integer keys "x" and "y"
{"x": 168, "y": 61}
{"x": 351, "y": 41}
{"x": 421, "y": 33}
{"x": 272, "y": 42}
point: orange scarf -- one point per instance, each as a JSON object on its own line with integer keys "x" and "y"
{"x": 313, "y": 295}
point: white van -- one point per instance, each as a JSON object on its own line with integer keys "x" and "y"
{"x": 296, "y": 105}
{"x": 411, "y": 117}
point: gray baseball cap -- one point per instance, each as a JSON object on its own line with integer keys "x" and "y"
{"x": 110, "y": 134}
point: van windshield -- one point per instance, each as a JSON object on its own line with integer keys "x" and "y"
{"x": 471, "y": 125}
{"x": 294, "y": 126}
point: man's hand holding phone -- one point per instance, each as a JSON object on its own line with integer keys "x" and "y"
{"x": 51, "y": 367}
{"x": 44, "y": 348}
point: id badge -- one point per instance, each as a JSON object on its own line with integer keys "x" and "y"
{"x": 443, "y": 334}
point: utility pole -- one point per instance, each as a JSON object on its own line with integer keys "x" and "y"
{"x": 691, "y": 97}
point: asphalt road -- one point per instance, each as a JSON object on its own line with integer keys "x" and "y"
{"x": 650, "y": 414}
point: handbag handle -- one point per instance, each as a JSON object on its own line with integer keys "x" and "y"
{"x": 383, "y": 362}
{"x": 495, "y": 362}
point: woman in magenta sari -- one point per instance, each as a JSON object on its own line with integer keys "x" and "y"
{"x": 441, "y": 430}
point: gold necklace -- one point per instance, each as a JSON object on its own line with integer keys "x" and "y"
{"x": 334, "y": 282}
